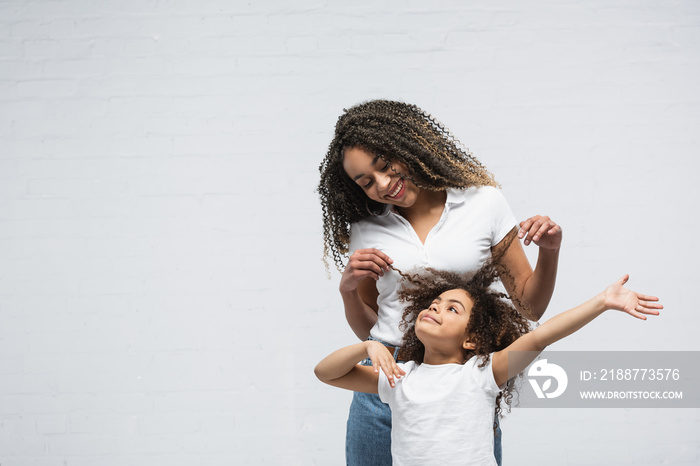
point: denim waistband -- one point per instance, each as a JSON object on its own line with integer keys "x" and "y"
{"x": 396, "y": 348}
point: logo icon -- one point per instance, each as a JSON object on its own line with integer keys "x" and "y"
{"x": 547, "y": 371}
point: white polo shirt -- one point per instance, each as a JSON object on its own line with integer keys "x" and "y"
{"x": 474, "y": 220}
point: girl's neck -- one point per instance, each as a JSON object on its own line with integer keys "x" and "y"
{"x": 437, "y": 358}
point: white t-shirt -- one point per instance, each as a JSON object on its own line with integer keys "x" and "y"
{"x": 442, "y": 415}
{"x": 474, "y": 220}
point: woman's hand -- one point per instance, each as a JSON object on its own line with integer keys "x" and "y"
{"x": 362, "y": 264}
{"x": 617, "y": 297}
{"x": 541, "y": 230}
{"x": 381, "y": 357}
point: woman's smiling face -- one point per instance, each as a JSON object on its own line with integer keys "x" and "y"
{"x": 381, "y": 181}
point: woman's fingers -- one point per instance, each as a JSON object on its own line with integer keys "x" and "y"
{"x": 543, "y": 230}
{"x": 365, "y": 263}
{"x": 525, "y": 226}
{"x": 529, "y": 229}
{"x": 374, "y": 256}
{"x": 369, "y": 266}
{"x": 539, "y": 228}
{"x": 555, "y": 230}
{"x": 378, "y": 253}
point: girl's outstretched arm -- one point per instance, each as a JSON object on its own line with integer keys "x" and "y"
{"x": 562, "y": 325}
{"x": 340, "y": 368}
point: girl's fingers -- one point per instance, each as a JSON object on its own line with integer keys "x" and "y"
{"x": 647, "y": 310}
{"x": 652, "y": 305}
{"x": 646, "y": 297}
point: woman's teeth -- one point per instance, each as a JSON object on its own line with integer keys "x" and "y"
{"x": 399, "y": 185}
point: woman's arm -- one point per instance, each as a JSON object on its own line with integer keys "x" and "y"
{"x": 340, "y": 368}
{"x": 361, "y": 307}
{"x": 562, "y": 325}
{"x": 358, "y": 288}
{"x": 532, "y": 288}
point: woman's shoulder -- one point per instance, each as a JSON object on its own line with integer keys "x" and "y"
{"x": 373, "y": 221}
{"x": 473, "y": 194}
{"x": 371, "y": 232}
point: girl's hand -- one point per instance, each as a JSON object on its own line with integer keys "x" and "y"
{"x": 635, "y": 304}
{"x": 362, "y": 264}
{"x": 381, "y": 357}
{"x": 542, "y": 231}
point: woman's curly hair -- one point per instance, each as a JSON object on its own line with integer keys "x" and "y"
{"x": 394, "y": 131}
{"x": 494, "y": 322}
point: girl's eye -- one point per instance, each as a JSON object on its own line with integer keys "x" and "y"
{"x": 369, "y": 183}
{"x": 453, "y": 309}
{"x": 385, "y": 168}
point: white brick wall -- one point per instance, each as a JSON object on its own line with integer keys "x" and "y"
{"x": 162, "y": 298}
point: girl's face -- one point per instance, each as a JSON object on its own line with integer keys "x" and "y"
{"x": 444, "y": 323}
{"x": 380, "y": 181}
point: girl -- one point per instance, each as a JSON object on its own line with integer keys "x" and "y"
{"x": 397, "y": 188}
{"x": 458, "y": 340}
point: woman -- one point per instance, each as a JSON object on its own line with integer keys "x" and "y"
{"x": 397, "y": 188}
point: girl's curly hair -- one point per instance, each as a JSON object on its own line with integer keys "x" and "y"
{"x": 394, "y": 131}
{"x": 494, "y": 322}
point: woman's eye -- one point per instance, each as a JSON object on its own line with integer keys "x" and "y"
{"x": 453, "y": 309}
{"x": 369, "y": 183}
{"x": 385, "y": 168}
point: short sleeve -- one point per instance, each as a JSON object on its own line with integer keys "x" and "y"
{"x": 483, "y": 375}
{"x": 386, "y": 393}
{"x": 502, "y": 219}
{"x": 384, "y": 389}
{"x": 355, "y": 238}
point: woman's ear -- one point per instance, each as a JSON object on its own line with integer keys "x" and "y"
{"x": 468, "y": 345}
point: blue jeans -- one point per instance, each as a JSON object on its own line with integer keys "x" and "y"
{"x": 368, "y": 434}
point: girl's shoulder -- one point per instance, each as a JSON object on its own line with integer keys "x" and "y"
{"x": 479, "y": 362}
{"x": 409, "y": 366}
